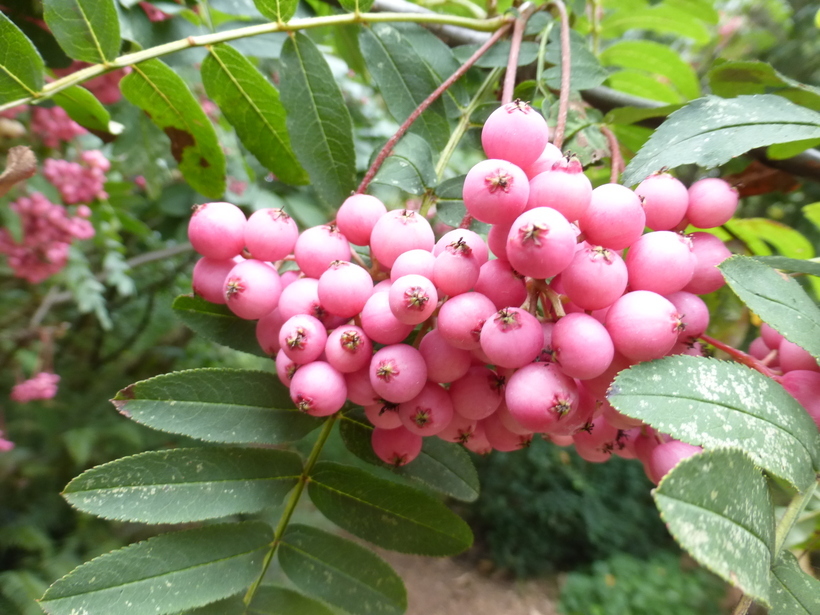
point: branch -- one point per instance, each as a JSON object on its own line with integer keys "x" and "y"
{"x": 566, "y": 63}
{"x": 515, "y": 48}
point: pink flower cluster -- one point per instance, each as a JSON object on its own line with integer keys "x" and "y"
{"x": 5, "y": 445}
{"x": 106, "y": 88}
{"x": 13, "y": 112}
{"x": 47, "y": 233}
{"x": 53, "y": 125}
{"x": 40, "y": 386}
{"x": 154, "y": 14}
{"x": 79, "y": 182}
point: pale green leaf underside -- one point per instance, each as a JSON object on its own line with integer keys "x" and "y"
{"x": 717, "y": 506}
{"x": 721, "y": 404}
{"x": 182, "y": 485}
{"x": 340, "y": 572}
{"x": 217, "y": 405}
{"x": 165, "y": 574}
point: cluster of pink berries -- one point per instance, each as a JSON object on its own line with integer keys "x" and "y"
{"x": 438, "y": 338}
{"x": 106, "y": 87}
{"x": 48, "y": 231}
{"x": 53, "y": 126}
{"x": 799, "y": 372}
{"x": 79, "y": 182}
{"x": 40, "y": 386}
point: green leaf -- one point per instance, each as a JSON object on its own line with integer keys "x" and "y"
{"x": 793, "y": 592}
{"x": 443, "y": 466}
{"x": 717, "y": 506}
{"x": 186, "y": 484}
{"x": 812, "y": 213}
{"x": 760, "y": 233}
{"x": 410, "y": 166}
{"x": 779, "y": 301}
{"x": 498, "y": 55}
{"x": 340, "y": 572}
{"x": 163, "y": 95}
{"x": 387, "y": 514}
{"x": 271, "y": 600}
{"x": 791, "y": 264}
{"x": 711, "y": 131}
{"x": 277, "y": 10}
{"x": 318, "y": 121}
{"x": 781, "y": 151}
{"x": 84, "y": 108}
{"x": 404, "y": 82}
{"x": 218, "y": 324}
{"x": 585, "y": 70}
{"x": 655, "y": 58}
{"x": 717, "y": 403}
{"x": 21, "y": 67}
{"x": 660, "y": 18}
{"x": 217, "y": 405}
{"x": 356, "y": 6}
{"x": 704, "y": 9}
{"x": 251, "y": 104}
{"x": 632, "y": 115}
{"x": 644, "y": 85}
{"x": 165, "y": 574}
{"x": 87, "y": 30}
{"x": 229, "y": 606}
{"x": 731, "y": 79}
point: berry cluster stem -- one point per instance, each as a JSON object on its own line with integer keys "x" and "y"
{"x": 615, "y": 153}
{"x": 566, "y": 63}
{"x": 290, "y": 507}
{"x": 391, "y": 143}
{"x": 740, "y": 356}
{"x": 515, "y": 47}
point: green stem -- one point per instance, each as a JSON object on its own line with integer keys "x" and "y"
{"x": 290, "y": 507}
{"x": 482, "y": 25}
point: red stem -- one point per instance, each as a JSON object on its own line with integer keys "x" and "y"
{"x": 740, "y": 356}
{"x": 617, "y": 159}
{"x": 391, "y": 143}
{"x": 563, "y": 98}
{"x": 515, "y": 49}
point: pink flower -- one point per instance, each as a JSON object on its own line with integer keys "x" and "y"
{"x": 41, "y": 386}
{"x": 53, "y": 125}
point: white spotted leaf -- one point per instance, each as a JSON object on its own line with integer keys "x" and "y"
{"x": 186, "y": 484}
{"x": 793, "y": 592}
{"x": 341, "y": 572}
{"x": 165, "y": 574}
{"x": 779, "y": 300}
{"x": 717, "y": 506}
{"x": 721, "y": 404}
{"x": 233, "y": 406}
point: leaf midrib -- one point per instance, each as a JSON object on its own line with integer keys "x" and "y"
{"x": 187, "y": 483}
{"x": 91, "y": 31}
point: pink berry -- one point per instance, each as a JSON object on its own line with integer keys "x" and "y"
{"x": 662, "y": 262}
{"x": 501, "y": 284}
{"x": 317, "y": 389}
{"x": 302, "y": 297}
{"x": 497, "y": 240}
{"x": 252, "y": 289}
{"x": 508, "y": 420}
{"x": 456, "y": 269}
{"x": 501, "y": 438}
{"x": 771, "y": 336}
{"x": 616, "y": 419}
{"x": 344, "y": 288}
{"x": 472, "y": 239}
{"x": 303, "y": 338}
{"x": 665, "y": 201}
{"x": 694, "y": 314}
{"x": 396, "y": 447}
{"x": 515, "y": 132}
{"x": 357, "y": 216}
{"x": 209, "y": 278}
{"x": 495, "y": 191}
{"x": 794, "y": 357}
{"x": 539, "y": 394}
{"x": 544, "y": 162}
{"x": 359, "y": 389}
{"x": 666, "y": 456}
{"x": 541, "y": 243}
{"x": 398, "y": 231}
{"x": 643, "y": 325}
{"x": 615, "y": 217}
{"x": 419, "y": 262}
{"x": 429, "y": 412}
{"x": 267, "y": 332}
{"x": 460, "y": 430}
{"x": 445, "y": 363}
{"x": 317, "y": 247}
{"x": 478, "y": 393}
{"x": 595, "y": 278}
{"x": 804, "y": 386}
{"x": 599, "y": 385}
{"x": 285, "y": 367}
{"x": 461, "y": 317}
{"x": 582, "y": 346}
{"x": 511, "y": 338}
{"x": 398, "y": 372}
{"x": 217, "y": 230}
{"x": 564, "y": 188}
{"x": 348, "y": 349}
{"x": 383, "y": 414}
{"x": 579, "y": 416}
{"x": 709, "y": 252}
{"x": 412, "y": 299}
{"x": 478, "y": 442}
{"x": 758, "y": 348}
{"x": 270, "y": 234}
{"x": 379, "y": 322}
{"x": 712, "y": 202}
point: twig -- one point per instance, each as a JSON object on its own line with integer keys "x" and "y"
{"x": 566, "y": 64}
{"x": 515, "y": 48}
{"x": 739, "y": 356}
{"x": 616, "y": 157}
{"x": 391, "y": 143}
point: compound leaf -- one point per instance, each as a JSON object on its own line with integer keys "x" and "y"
{"x": 165, "y": 574}
{"x": 711, "y": 131}
{"x": 340, "y": 572}
{"x": 652, "y": 57}
{"x": 163, "y": 95}
{"x": 217, "y": 405}
{"x": 251, "y": 104}
{"x": 185, "y": 484}
{"x": 721, "y": 404}
{"x": 87, "y": 30}
{"x": 218, "y": 324}
{"x": 385, "y": 513}
{"x": 717, "y": 506}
